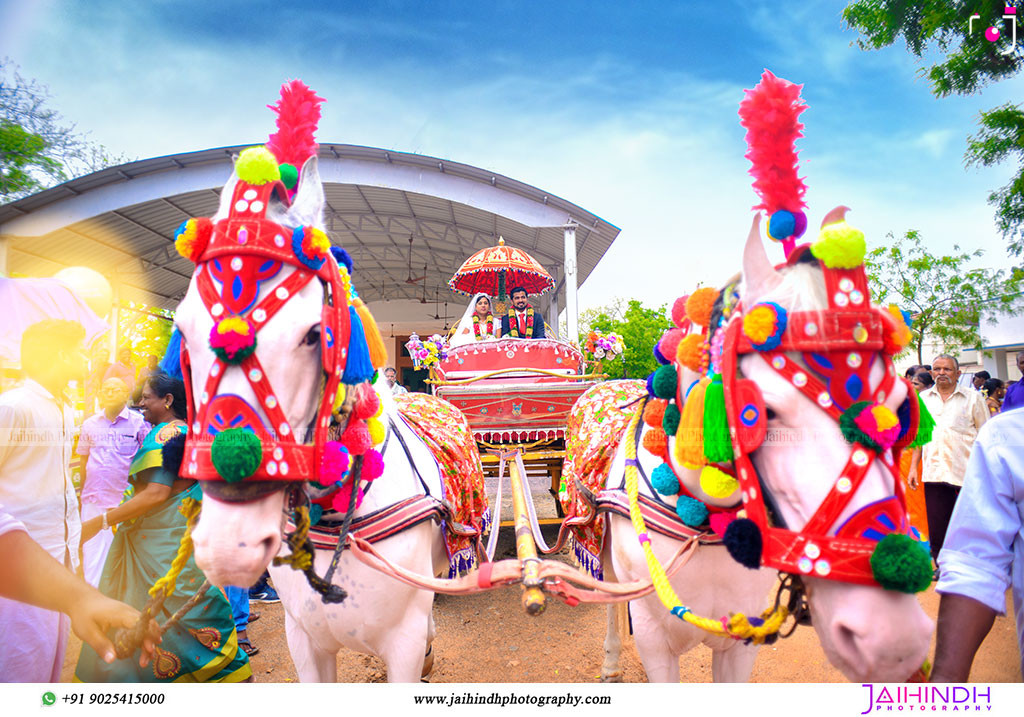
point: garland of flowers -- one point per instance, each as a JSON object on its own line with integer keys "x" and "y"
{"x": 513, "y": 322}
{"x": 476, "y": 326}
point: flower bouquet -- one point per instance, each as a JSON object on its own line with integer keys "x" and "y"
{"x": 427, "y": 353}
{"x": 603, "y": 346}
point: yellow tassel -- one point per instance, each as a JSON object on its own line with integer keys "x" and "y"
{"x": 689, "y": 443}
{"x": 374, "y": 341}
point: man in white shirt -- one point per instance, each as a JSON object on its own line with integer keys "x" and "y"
{"x": 36, "y": 431}
{"x": 391, "y": 376}
{"x": 958, "y": 412}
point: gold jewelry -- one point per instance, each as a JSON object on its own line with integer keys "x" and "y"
{"x": 167, "y": 405}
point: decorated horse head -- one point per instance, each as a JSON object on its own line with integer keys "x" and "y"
{"x": 774, "y": 427}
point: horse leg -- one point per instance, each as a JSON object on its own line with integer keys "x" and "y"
{"x": 311, "y": 663}
{"x": 611, "y": 669}
{"x": 428, "y": 658}
{"x": 734, "y": 663}
{"x": 404, "y": 647}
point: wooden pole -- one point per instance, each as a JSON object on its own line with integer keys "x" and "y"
{"x": 533, "y": 596}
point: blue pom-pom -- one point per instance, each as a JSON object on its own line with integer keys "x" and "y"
{"x": 691, "y": 511}
{"x": 658, "y": 356}
{"x": 743, "y": 541}
{"x": 650, "y": 385}
{"x": 313, "y": 262}
{"x": 781, "y": 225}
{"x": 664, "y": 480}
{"x": 342, "y": 257}
{"x": 908, "y": 318}
{"x": 316, "y": 512}
{"x": 358, "y": 367}
{"x": 171, "y": 362}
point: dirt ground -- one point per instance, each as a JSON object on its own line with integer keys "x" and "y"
{"x": 489, "y": 638}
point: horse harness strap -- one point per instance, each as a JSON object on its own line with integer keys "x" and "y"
{"x": 383, "y": 523}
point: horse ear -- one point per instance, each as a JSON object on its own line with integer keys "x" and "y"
{"x": 226, "y": 193}
{"x": 307, "y": 207}
{"x": 759, "y": 276}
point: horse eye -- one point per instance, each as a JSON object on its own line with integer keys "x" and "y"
{"x": 770, "y": 414}
{"x": 312, "y": 337}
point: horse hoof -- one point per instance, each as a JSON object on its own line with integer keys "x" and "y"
{"x": 612, "y": 676}
{"x": 428, "y": 665}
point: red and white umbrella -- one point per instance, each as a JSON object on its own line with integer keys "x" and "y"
{"x": 497, "y": 269}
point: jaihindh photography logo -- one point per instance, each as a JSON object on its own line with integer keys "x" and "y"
{"x": 927, "y": 698}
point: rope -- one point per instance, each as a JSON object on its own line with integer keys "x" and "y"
{"x": 737, "y": 625}
{"x": 301, "y": 558}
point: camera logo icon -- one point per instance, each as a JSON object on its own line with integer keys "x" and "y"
{"x": 994, "y": 33}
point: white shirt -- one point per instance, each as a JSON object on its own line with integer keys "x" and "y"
{"x": 957, "y": 420}
{"x": 36, "y": 433}
{"x": 984, "y": 548}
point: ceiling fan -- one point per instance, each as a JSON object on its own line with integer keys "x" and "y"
{"x": 411, "y": 279}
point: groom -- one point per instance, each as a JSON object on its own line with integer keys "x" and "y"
{"x": 520, "y": 323}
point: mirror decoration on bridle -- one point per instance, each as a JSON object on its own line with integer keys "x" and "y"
{"x": 228, "y": 440}
{"x": 718, "y": 420}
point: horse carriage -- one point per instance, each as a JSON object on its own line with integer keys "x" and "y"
{"x": 701, "y": 501}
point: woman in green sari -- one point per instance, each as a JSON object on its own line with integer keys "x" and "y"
{"x": 203, "y": 645}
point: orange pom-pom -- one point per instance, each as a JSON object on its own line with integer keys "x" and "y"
{"x": 700, "y": 304}
{"x": 679, "y": 311}
{"x": 691, "y": 352}
{"x": 656, "y": 443}
{"x": 654, "y": 411}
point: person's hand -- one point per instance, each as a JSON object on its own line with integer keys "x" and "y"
{"x": 912, "y": 481}
{"x": 93, "y": 615}
{"x": 90, "y": 528}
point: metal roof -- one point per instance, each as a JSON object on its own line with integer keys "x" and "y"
{"x": 390, "y": 210}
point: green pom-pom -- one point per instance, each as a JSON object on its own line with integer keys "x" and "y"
{"x": 925, "y": 425}
{"x": 901, "y": 563}
{"x": 670, "y": 421}
{"x": 691, "y": 511}
{"x": 665, "y": 380}
{"x": 717, "y": 443}
{"x": 236, "y": 454}
{"x": 289, "y": 175}
{"x": 851, "y": 431}
{"x": 664, "y": 480}
{"x": 257, "y": 165}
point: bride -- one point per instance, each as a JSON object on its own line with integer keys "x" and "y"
{"x": 478, "y": 323}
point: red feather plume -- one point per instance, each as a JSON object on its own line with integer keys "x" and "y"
{"x": 298, "y": 113}
{"x": 770, "y": 113}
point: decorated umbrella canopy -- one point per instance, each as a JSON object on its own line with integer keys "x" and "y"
{"x": 496, "y": 269}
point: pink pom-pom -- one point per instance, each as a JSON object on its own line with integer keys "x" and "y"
{"x": 373, "y": 464}
{"x": 366, "y": 404}
{"x": 720, "y": 521}
{"x": 679, "y": 312}
{"x": 334, "y": 462}
{"x": 669, "y": 343}
{"x": 770, "y": 113}
{"x": 340, "y": 500}
{"x": 868, "y": 421}
{"x": 357, "y": 438}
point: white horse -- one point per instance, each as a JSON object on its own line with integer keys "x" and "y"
{"x": 870, "y": 634}
{"x": 240, "y": 529}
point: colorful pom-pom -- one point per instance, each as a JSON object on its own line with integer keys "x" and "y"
{"x": 289, "y": 175}
{"x": 656, "y": 443}
{"x": 356, "y": 438}
{"x": 679, "y": 311}
{"x": 191, "y": 238}
{"x": 342, "y": 500}
{"x": 717, "y": 483}
{"x": 665, "y": 381}
{"x": 316, "y": 512}
{"x": 897, "y": 336}
{"x": 720, "y": 522}
{"x": 717, "y": 440}
{"x": 691, "y": 511}
{"x": 899, "y": 562}
{"x": 342, "y": 257}
{"x": 879, "y": 424}
{"x": 654, "y": 412}
{"x": 668, "y": 345}
{"x": 650, "y": 384}
{"x": 659, "y": 356}
{"x": 339, "y": 398}
{"x": 334, "y": 464}
{"x": 743, "y": 541}
{"x": 670, "y": 421}
{"x": 236, "y": 454}
{"x": 700, "y": 305}
{"x": 664, "y": 480}
{"x": 851, "y": 431}
{"x": 377, "y": 431}
{"x": 840, "y": 246}
{"x": 310, "y": 246}
{"x": 367, "y": 402}
{"x": 781, "y": 225}
{"x": 373, "y": 465}
{"x": 692, "y": 352}
{"x": 764, "y": 324}
{"x": 233, "y": 339}
{"x": 257, "y": 165}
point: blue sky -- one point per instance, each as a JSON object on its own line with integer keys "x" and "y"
{"x": 626, "y": 109}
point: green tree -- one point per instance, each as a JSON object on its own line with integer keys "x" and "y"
{"x": 145, "y": 329}
{"x": 640, "y": 329}
{"x": 37, "y": 148}
{"x": 967, "y": 63}
{"x": 947, "y": 299}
